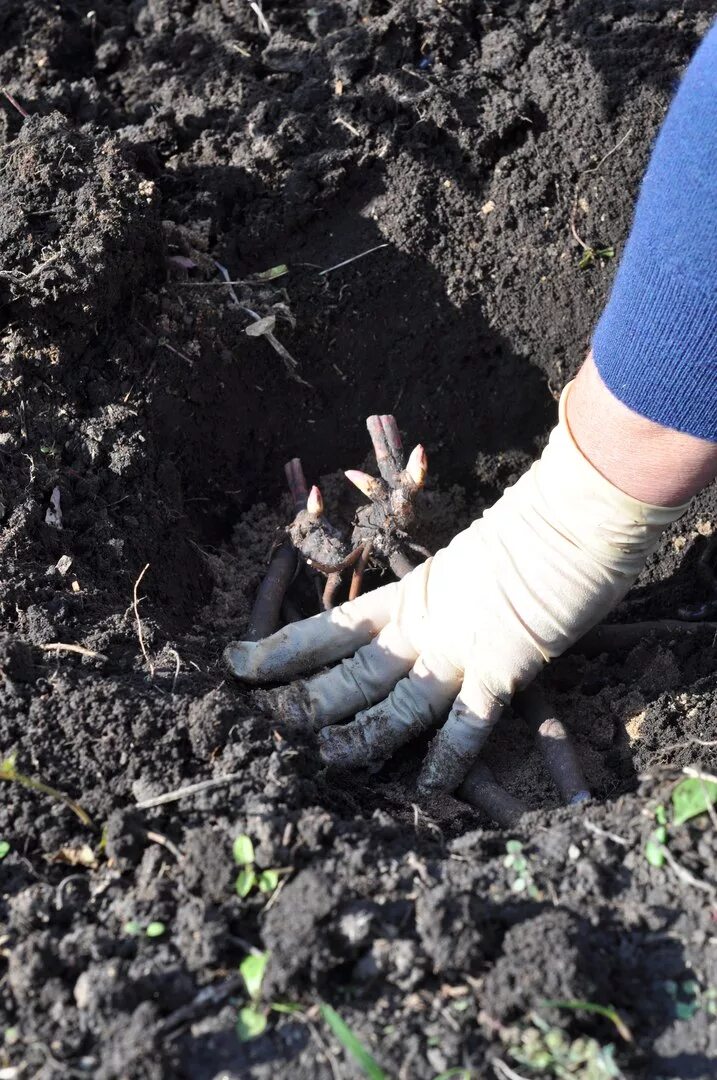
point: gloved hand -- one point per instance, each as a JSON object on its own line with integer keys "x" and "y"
{"x": 469, "y": 627}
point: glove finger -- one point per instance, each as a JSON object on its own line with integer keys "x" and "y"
{"x": 304, "y": 646}
{"x": 458, "y": 743}
{"x": 415, "y": 704}
{"x": 365, "y": 678}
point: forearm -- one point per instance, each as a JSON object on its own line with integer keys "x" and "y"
{"x": 655, "y": 345}
{"x": 646, "y": 460}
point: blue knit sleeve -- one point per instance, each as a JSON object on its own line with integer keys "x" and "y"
{"x": 655, "y": 345}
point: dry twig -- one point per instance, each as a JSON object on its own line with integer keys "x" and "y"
{"x": 63, "y": 646}
{"x": 353, "y": 258}
{"x": 689, "y": 770}
{"x": 15, "y": 104}
{"x": 163, "y": 841}
{"x": 207, "y": 997}
{"x": 583, "y": 174}
{"x": 255, "y": 6}
{"x": 686, "y": 876}
{"x": 190, "y": 789}
{"x": 333, "y": 1063}
{"x": 504, "y": 1071}
{"x": 140, "y": 634}
{"x": 591, "y": 827}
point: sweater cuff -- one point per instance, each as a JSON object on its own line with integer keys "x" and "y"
{"x": 654, "y": 347}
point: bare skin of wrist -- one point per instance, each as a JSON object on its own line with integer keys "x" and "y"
{"x": 651, "y": 463}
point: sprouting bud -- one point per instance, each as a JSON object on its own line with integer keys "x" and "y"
{"x": 417, "y": 466}
{"x": 315, "y": 502}
{"x": 362, "y": 481}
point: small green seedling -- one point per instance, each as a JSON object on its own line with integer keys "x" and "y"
{"x": 655, "y": 846}
{"x": 688, "y": 998}
{"x": 516, "y": 861}
{"x": 608, "y": 1011}
{"x": 352, "y": 1044}
{"x": 690, "y": 798}
{"x": 4, "y": 848}
{"x": 151, "y": 930}
{"x": 549, "y": 1051}
{"x": 590, "y": 255}
{"x": 272, "y": 272}
{"x": 250, "y": 875}
{"x": 252, "y": 1018}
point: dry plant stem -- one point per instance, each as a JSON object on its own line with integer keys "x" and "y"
{"x": 621, "y": 637}
{"x": 265, "y": 615}
{"x": 140, "y": 634}
{"x": 357, "y": 576}
{"x": 481, "y": 789}
{"x": 554, "y": 743}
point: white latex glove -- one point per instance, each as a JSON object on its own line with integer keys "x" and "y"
{"x": 469, "y": 627}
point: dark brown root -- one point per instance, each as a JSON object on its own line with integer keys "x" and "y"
{"x": 357, "y": 576}
{"x": 555, "y": 744}
{"x": 290, "y": 611}
{"x": 400, "y": 564}
{"x": 265, "y": 615}
{"x": 339, "y": 567}
{"x": 621, "y": 637}
{"x": 481, "y": 789}
{"x": 331, "y": 588}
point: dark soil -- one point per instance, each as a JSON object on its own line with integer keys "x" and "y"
{"x": 462, "y": 135}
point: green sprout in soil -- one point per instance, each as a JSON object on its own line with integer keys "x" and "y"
{"x": 692, "y": 797}
{"x": 4, "y": 848}
{"x": 548, "y": 1050}
{"x": 607, "y": 1011}
{"x": 151, "y": 930}
{"x": 363, "y": 1057}
{"x": 516, "y": 861}
{"x": 688, "y": 998}
{"x": 9, "y": 772}
{"x": 352, "y": 1044}
{"x": 250, "y": 876}
{"x": 252, "y": 1018}
{"x": 272, "y": 273}
{"x": 590, "y": 255}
